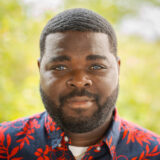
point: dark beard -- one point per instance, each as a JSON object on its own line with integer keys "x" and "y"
{"x": 83, "y": 123}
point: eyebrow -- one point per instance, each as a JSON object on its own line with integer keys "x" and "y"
{"x": 95, "y": 57}
{"x": 63, "y": 58}
{"x": 60, "y": 59}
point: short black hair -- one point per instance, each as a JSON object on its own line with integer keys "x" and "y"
{"x": 79, "y": 19}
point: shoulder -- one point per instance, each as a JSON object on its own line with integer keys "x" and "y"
{"x": 131, "y": 128}
{"x": 144, "y": 141}
{"x": 19, "y": 122}
{"x": 18, "y": 134}
{"x": 14, "y": 128}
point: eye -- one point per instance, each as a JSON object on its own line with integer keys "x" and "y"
{"x": 96, "y": 67}
{"x": 59, "y": 68}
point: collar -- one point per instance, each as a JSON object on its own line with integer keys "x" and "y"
{"x": 53, "y": 131}
{"x": 59, "y": 139}
{"x": 112, "y": 135}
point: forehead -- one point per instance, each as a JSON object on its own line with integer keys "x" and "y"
{"x": 75, "y": 42}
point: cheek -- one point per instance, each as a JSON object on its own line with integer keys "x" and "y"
{"x": 111, "y": 81}
{"x": 52, "y": 86}
{"x": 106, "y": 85}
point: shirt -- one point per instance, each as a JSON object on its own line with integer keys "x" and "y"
{"x": 39, "y": 138}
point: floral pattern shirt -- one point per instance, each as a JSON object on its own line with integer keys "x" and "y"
{"x": 39, "y": 138}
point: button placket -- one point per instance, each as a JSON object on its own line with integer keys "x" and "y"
{"x": 98, "y": 148}
{"x": 66, "y": 139}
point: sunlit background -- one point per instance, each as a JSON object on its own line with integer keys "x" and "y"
{"x": 137, "y": 24}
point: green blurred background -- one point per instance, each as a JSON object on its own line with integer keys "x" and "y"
{"x": 21, "y": 23}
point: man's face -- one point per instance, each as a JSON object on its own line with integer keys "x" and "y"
{"x": 78, "y": 79}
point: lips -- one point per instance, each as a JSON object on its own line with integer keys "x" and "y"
{"x": 80, "y": 102}
{"x": 80, "y": 99}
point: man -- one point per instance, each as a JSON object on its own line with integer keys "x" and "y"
{"x": 79, "y": 72}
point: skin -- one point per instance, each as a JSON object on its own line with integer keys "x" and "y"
{"x": 77, "y": 60}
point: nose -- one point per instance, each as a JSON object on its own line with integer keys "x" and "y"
{"x": 79, "y": 80}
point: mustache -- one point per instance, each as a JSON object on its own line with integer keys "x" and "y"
{"x": 82, "y": 92}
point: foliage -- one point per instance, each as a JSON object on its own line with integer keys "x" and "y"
{"x": 19, "y": 80}
{"x": 114, "y": 10}
{"x": 18, "y": 47}
{"x": 139, "y": 82}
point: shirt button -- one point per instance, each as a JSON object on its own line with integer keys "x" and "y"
{"x": 66, "y": 139}
{"x": 98, "y": 148}
{"x": 59, "y": 145}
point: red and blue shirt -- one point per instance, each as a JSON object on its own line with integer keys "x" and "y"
{"x": 39, "y": 138}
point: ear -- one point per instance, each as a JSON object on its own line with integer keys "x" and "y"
{"x": 119, "y": 64}
{"x": 39, "y": 62}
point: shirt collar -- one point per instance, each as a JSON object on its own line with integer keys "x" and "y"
{"x": 53, "y": 131}
{"x": 112, "y": 135}
{"x": 57, "y": 135}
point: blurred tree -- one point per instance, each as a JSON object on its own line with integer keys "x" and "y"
{"x": 18, "y": 40}
{"x": 113, "y": 10}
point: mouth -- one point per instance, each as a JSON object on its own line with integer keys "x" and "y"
{"x": 80, "y": 102}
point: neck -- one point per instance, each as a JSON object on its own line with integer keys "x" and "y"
{"x": 92, "y": 137}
